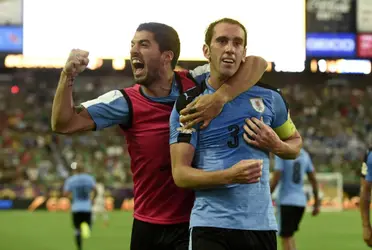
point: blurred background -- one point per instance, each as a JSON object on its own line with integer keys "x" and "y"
{"x": 320, "y": 54}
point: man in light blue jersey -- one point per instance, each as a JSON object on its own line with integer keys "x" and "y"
{"x": 79, "y": 186}
{"x": 365, "y": 196}
{"x": 230, "y": 214}
{"x": 291, "y": 201}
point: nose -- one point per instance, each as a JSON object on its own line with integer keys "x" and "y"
{"x": 134, "y": 49}
{"x": 230, "y": 47}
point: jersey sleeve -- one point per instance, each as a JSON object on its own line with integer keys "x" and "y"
{"x": 279, "y": 164}
{"x": 200, "y": 70}
{"x": 108, "y": 109}
{"x": 67, "y": 186}
{"x": 93, "y": 182}
{"x": 309, "y": 164}
{"x": 366, "y": 171}
{"x": 177, "y": 131}
{"x": 282, "y": 123}
{"x": 200, "y": 73}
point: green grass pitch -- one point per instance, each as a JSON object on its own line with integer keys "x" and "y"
{"x": 21, "y": 230}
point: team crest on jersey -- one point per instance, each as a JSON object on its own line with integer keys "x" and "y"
{"x": 364, "y": 169}
{"x": 257, "y": 104}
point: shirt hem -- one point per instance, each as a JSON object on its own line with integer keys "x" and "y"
{"x": 237, "y": 228}
{"x": 161, "y": 221}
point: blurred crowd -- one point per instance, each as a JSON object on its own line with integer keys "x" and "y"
{"x": 335, "y": 122}
{"x": 31, "y": 154}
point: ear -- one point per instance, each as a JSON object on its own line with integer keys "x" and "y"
{"x": 207, "y": 52}
{"x": 244, "y": 54}
{"x": 168, "y": 56}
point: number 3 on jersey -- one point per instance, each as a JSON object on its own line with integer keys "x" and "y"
{"x": 234, "y": 133}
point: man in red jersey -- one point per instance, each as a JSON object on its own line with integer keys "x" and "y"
{"x": 162, "y": 210}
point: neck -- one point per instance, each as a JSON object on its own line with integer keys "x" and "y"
{"x": 161, "y": 87}
{"x": 215, "y": 80}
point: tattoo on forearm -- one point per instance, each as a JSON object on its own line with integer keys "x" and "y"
{"x": 79, "y": 108}
{"x": 70, "y": 80}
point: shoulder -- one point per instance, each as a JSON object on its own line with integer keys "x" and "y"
{"x": 275, "y": 92}
{"x": 71, "y": 179}
{"x": 368, "y": 155}
{"x": 305, "y": 154}
{"x": 111, "y": 95}
{"x": 188, "y": 80}
{"x": 106, "y": 98}
{"x": 200, "y": 70}
{"x": 187, "y": 97}
{"x": 88, "y": 176}
{"x": 278, "y": 159}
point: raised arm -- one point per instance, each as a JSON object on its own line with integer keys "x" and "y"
{"x": 67, "y": 189}
{"x": 207, "y": 107}
{"x": 67, "y": 118}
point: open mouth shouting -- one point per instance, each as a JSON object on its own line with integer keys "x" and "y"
{"x": 138, "y": 67}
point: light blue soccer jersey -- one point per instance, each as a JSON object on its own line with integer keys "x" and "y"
{"x": 292, "y": 179}
{"x": 220, "y": 146}
{"x": 112, "y": 108}
{"x": 367, "y": 166}
{"x": 80, "y": 185}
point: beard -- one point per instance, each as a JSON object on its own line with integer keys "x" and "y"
{"x": 148, "y": 79}
{"x": 152, "y": 74}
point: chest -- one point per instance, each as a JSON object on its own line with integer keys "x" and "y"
{"x": 149, "y": 116}
{"x": 228, "y": 126}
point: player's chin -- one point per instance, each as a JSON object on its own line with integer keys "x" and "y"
{"x": 142, "y": 80}
{"x": 227, "y": 73}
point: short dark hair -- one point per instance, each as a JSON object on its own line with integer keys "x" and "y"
{"x": 166, "y": 37}
{"x": 210, "y": 30}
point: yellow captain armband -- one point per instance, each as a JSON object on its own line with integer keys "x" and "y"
{"x": 286, "y": 130}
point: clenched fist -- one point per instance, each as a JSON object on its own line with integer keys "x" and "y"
{"x": 246, "y": 171}
{"x": 77, "y": 62}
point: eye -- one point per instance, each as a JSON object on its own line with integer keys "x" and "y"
{"x": 238, "y": 43}
{"x": 222, "y": 40}
{"x": 144, "y": 44}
